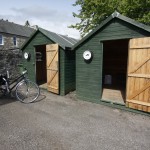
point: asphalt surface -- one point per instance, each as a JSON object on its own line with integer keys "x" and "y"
{"x": 63, "y": 123}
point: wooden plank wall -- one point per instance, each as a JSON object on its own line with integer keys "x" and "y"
{"x": 67, "y": 64}
{"x": 52, "y": 56}
{"x": 70, "y": 71}
{"x": 38, "y": 39}
{"x": 67, "y": 71}
{"x": 89, "y": 76}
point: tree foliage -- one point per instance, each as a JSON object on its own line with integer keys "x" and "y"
{"x": 93, "y": 12}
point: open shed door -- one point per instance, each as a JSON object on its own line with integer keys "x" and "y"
{"x": 52, "y": 59}
{"x": 138, "y": 83}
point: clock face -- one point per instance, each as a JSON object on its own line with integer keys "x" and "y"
{"x": 26, "y": 55}
{"x": 87, "y": 55}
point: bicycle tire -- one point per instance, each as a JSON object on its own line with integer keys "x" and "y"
{"x": 27, "y": 91}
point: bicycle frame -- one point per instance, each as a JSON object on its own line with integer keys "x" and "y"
{"x": 16, "y": 81}
{"x": 26, "y": 91}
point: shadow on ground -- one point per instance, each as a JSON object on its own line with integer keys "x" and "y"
{"x": 6, "y": 99}
{"x": 40, "y": 98}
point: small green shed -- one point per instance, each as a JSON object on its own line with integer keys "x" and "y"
{"x": 113, "y": 63}
{"x": 49, "y": 60}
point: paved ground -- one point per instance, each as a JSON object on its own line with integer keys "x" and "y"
{"x": 61, "y": 123}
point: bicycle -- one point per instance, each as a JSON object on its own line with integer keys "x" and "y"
{"x": 26, "y": 91}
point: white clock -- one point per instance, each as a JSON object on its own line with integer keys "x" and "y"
{"x": 26, "y": 55}
{"x": 87, "y": 55}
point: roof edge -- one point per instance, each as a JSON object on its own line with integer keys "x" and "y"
{"x": 134, "y": 22}
{"x": 22, "y": 47}
{"x": 103, "y": 23}
{"x": 51, "y": 37}
{"x": 93, "y": 31}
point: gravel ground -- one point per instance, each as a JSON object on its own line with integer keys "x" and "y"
{"x": 64, "y": 123}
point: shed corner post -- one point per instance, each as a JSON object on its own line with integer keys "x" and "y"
{"x": 101, "y": 88}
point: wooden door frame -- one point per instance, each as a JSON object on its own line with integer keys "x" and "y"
{"x": 127, "y": 72}
{"x": 35, "y": 64}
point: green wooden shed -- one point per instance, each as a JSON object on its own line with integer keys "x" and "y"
{"x": 113, "y": 63}
{"x": 49, "y": 60}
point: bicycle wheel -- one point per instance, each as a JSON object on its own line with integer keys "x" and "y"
{"x": 27, "y": 91}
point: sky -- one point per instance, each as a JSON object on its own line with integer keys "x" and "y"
{"x": 52, "y": 15}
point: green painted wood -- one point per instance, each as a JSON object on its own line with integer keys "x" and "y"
{"x": 113, "y": 16}
{"x": 62, "y": 71}
{"x": 69, "y": 71}
{"x": 66, "y": 63}
{"x": 89, "y": 75}
{"x": 38, "y": 39}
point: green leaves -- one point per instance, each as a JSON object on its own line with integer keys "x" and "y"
{"x": 94, "y": 12}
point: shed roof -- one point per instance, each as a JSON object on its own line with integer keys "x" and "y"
{"x": 111, "y": 17}
{"x": 15, "y": 29}
{"x": 62, "y": 40}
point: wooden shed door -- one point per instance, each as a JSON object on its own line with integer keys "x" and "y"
{"x": 138, "y": 83}
{"x": 52, "y": 51}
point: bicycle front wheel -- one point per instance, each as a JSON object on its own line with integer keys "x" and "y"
{"x": 27, "y": 91}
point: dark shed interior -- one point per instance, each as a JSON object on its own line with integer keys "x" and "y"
{"x": 41, "y": 74}
{"x": 115, "y": 55}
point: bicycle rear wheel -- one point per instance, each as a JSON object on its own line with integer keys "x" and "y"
{"x": 27, "y": 91}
